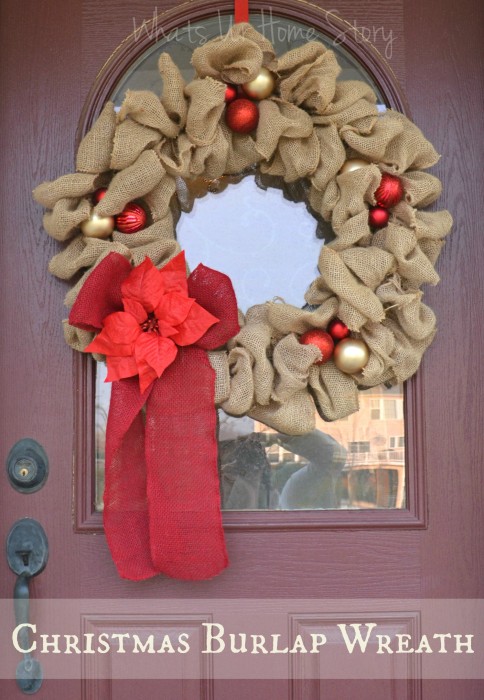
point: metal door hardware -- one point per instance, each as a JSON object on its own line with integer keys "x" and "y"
{"x": 27, "y": 554}
{"x": 27, "y": 466}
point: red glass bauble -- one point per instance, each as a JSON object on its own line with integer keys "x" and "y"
{"x": 322, "y": 340}
{"x": 99, "y": 194}
{"x": 230, "y": 93}
{"x": 338, "y": 330}
{"x": 378, "y": 217}
{"x": 389, "y": 191}
{"x": 132, "y": 219}
{"x": 242, "y": 116}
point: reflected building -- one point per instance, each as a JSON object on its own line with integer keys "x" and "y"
{"x": 353, "y": 463}
{"x": 356, "y": 462}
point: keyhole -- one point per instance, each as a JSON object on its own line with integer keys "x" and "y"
{"x": 25, "y": 469}
{"x": 25, "y": 556}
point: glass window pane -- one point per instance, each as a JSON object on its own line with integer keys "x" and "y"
{"x": 357, "y": 462}
{"x": 353, "y": 463}
{"x": 270, "y": 250}
{"x": 285, "y": 34}
{"x": 390, "y": 409}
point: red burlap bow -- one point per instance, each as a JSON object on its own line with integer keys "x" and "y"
{"x": 162, "y": 497}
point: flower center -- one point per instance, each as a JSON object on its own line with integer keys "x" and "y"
{"x": 151, "y": 324}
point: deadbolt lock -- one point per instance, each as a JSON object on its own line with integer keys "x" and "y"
{"x": 27, "y": 466}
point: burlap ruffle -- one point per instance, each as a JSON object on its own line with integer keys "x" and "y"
{"x": 235, "y": 57}
{"x": 164, "y": 150}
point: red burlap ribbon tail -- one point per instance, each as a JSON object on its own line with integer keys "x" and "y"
{"x": 126, "y": 517}
{"x": 186, "y": 534}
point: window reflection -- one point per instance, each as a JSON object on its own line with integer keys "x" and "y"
{"x": 357, "y": 462}
{"x": 271, "y": 250}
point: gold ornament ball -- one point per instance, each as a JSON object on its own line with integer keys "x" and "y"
{"x": 353, "y": 164}
{"x": 261, "y": 87}
{"x": 351, "y": 355}
{"x": 98, "y": 226}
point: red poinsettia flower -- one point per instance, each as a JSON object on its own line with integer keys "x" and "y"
{"x": 158, "y": 316}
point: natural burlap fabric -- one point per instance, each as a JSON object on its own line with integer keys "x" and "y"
{"x": 235, "y": 57}
{"x": 158, "y": 150}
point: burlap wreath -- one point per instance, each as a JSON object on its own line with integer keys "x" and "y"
{"x": 155, "y": 149}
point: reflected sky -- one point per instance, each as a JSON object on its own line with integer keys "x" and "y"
{"x": 264, "y": 243}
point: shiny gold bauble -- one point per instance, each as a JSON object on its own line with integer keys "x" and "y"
{"x": 351, "y": 355}
{"x": 98, "y": 226}
{"x": 261, "y": 87}
{"x": 353, "y": 164}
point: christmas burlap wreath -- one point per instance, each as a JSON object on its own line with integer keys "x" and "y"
{"x": 325, "y": 143}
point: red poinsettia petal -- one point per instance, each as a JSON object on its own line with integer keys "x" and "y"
{"x": 166, "y": 330}
{"x": 104, "y": 345}
{"x": 121, "y": 368}
{"x": 173, "y": 308}
{"x": 100, "y": 294}
{"x": 153, "y": 354}
{"x": 214, "y": 291}
{"x": 196, "y": 324}
{"x": 147, "y": 376}
{"x": 136, "y": 310}
{"x": 174, "y": 275}
{"x": 122, "y": 328}
{"x": 144, "y": 285}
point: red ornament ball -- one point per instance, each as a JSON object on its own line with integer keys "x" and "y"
{"x": 99, "y": 194}
{"x": 338, "y": 330}
{"x": 132, "y": 219}
{"x": 230, "y": 93}
{"x": 389, "y": 191}
{"x": 378, "y": 217}
{"x": 242, "y": 115}
{"x": 322, "y": 340}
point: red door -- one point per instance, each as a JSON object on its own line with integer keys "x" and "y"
{"x": 428, "y": 549}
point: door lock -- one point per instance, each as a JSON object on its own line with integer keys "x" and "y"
{"x": 27, "y": 554}
{"x": 27, "y": 466}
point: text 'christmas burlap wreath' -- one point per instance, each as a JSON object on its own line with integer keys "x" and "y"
{"x": 175, "y": 347}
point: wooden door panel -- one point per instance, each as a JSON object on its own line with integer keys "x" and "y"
{"x": 50, "y": 55}
{"x": 453, "y": 410}
{"x": 335, "y": 690}
{"x": 183, "y": 689}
